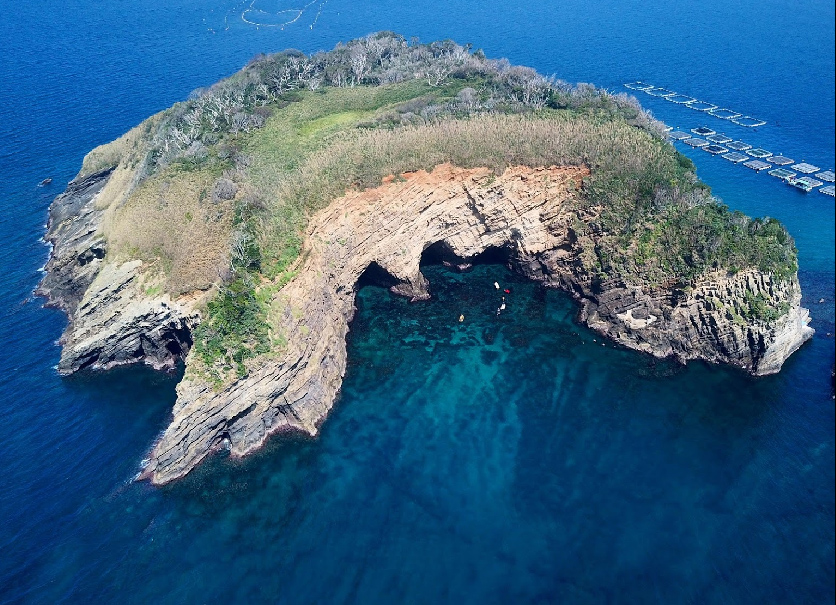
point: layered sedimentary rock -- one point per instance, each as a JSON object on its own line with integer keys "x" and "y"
{"x": 114, "y": 318}
{"x": 524, "y": 211}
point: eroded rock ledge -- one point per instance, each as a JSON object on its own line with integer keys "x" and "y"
{"x": 524, "y": 211}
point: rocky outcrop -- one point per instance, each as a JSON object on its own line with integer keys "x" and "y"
{"x": 74, "y": 231}
{"x": 113, "y": 318}
{"x": 525, "y": 211}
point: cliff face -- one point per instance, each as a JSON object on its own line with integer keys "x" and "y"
{"x": 523, "y": 211}
{"x": 113, "y": 319}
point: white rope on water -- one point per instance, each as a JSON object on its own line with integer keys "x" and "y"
{"x": 258, "y": 17}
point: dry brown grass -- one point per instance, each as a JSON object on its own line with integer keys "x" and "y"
{"x": 171, "y": 222}
{"x": 128, "y": 150}
{"x": 613, "y": 149}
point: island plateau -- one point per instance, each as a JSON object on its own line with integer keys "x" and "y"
{"x": 229, "y": 232}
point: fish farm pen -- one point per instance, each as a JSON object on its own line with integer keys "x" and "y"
{"x": 783, "y": 173}
{"x": 748, "y": 121}
{"x": 703, "y": 131}
{"x": 736, "y": 157}
{"x": 720, "y": 144}
{"x": 679, "y": 99}
{"x": 806, "y": 168}
{"x": 757, "y": 165}
{"x": 805, "y": 183}
{"x": 738, "y": 145}
{"x": 724, "y": 114}
{"x": 692, "y": 103}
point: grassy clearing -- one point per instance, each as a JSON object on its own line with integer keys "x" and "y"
{"x": 172, "y": 223}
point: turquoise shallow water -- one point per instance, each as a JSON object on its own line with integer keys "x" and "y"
{"x": 508, "y": 459}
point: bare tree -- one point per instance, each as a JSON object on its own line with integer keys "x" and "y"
{"x": 359, "y": 63}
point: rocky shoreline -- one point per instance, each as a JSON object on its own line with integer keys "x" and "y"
{"x": 114, "y": 320}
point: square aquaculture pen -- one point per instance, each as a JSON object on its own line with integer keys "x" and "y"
{"x": 780, "y": 160}
{"x": 829, "y": 190}
{"x": 783, "y": 173}
{"x": 694, "y": 142}
{"x": 719, "y": 138}
{"x": 736, "y": 157}
{"x": 806, "y": 168}
{"x": 826, "y": 176}
{"x": 700, "y": 105}
{"x": 679, "y": 99}
{"x": 748, "y": 121}
{"x": 759, "y": 153}
{"x": 715, "y": 149}
{"x": 678, "y": 135}
{"x": 805, "y": 183}
{"x": 724, "y": 114}
{"x": 703, "y": 131}
{"x": 659, "y": 92}
{"x": 738, "y": 145}
{"x": 757, "y": 165}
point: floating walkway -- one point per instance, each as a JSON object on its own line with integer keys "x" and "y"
{"x": 695, "y": 104}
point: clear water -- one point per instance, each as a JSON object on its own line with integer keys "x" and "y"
{"x": 509, "y": 459}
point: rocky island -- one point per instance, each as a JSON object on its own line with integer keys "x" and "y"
{"x": 230, "y": 231}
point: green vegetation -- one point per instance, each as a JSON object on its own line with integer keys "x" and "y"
{"x": 234, "y": 330}
{"x": 223, "y": 184}
{"x": 759, "y": 307}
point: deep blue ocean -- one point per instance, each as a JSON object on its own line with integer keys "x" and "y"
{"x": 517, "y": 459}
